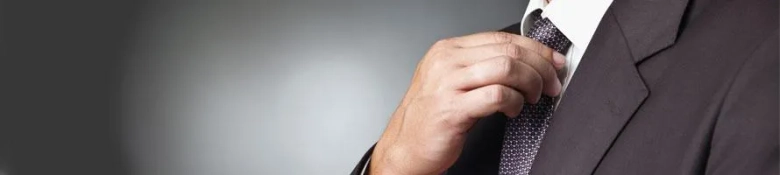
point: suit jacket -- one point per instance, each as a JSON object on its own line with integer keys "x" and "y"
{"x": 665, "y": 87}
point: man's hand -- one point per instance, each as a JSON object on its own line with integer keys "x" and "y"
{"x": 457, "y": 82}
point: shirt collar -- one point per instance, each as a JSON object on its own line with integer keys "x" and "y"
{"x": 577, "y": 19}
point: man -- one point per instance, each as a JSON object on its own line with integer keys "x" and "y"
{"x": 596, "y": 87}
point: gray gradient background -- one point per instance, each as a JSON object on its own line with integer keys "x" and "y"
{"x": 278, "y": 87}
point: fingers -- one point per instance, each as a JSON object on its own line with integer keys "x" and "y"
{"x": 532, "y": 78}
{"x": 471, "y": 55}
{"x": 491, "y": 38}
{"x": 489, "y": 99}
{"x": 504, "y": 71}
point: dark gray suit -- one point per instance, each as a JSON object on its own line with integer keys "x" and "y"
{"x": 665, "y": 87}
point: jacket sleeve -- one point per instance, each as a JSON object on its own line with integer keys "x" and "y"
{"x": 362, "y": 166}
{"x": 745, "y": 137}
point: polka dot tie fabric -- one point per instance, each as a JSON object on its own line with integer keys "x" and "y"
{"x": 524, "y": 133}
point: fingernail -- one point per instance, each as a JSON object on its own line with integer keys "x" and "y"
{"x": 559, "y": 59}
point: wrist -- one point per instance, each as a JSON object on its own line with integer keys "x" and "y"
{"x": 379, "y": 163}
{"x": 383, "y": 161}
{"x": 394, "y": 159}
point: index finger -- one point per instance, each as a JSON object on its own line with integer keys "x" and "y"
{"x": 492, "y": 38}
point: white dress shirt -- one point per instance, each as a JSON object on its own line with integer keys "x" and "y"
{"x": 577, "y": 19}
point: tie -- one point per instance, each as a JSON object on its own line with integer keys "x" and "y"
{"x": 524, "y": 133}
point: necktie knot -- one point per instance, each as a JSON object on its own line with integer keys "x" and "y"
{"x": 544, "y": 31}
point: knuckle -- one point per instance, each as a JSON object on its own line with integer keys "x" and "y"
{"x": 495, "y": 95}
{"x": 543, "y": 49}
{"x": 438, "y": 65}
{"x": 439, "y": 54}
{"x": 549, "y": 71}
{"x": 502, "y": 37}
{"x": 442, "y": 42}
{"x": 533, "y": 85}
{"x": 444, "y": 54}
{"x": 537, "y": 82}
{"x": 512, "y": 50}
{"x": 503, "y": 67}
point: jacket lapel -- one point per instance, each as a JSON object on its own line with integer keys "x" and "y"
{"x": 607, "y": 88}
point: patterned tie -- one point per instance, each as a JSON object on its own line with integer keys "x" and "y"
{"x": 525, "y": 132}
